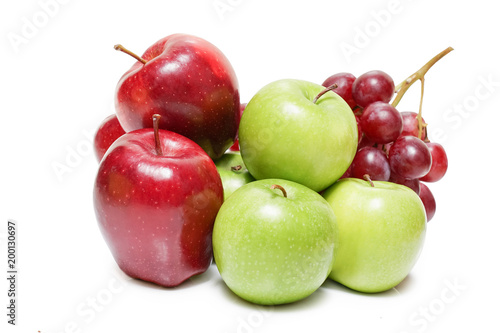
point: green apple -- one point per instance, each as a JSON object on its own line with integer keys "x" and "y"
{"x": 274, "y": 241}
{"x": 381, "y": 233}
{"x": 233, "y": 172}
{"x": 284, "y": 133}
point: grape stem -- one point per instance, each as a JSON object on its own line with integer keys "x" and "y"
{"x": 403, "y": 87}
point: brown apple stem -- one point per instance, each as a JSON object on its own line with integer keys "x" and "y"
{"x": 156, "y": 120}
{"x": 119, "y": 47}
{"x": 279, "y": 187}
{"x": 368, "y": 179}
{"x": 324, "y": 91}
{"x": 236, "y": 168}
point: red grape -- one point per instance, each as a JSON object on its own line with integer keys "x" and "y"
{"x": 439, "y": 163}
{"x": 381, "y": 122}
{"x": 414, "y": 184}
{"x": 371, "y": 161}
{"x": 387, "y": 148}
{"x": 410, "y": 124}
{"x": 409, "y": 157}
{"x": 365, "y": 142}
{"x": 347, "y": 173}
{"x": 360, "y": 132}
{"x": 344, "y": 83}
{"x": 372, "y": 87}
{"x": 428, "y": 200}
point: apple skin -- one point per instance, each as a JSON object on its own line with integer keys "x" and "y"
{"x": 381, "y": 233}
{"x": 283, "y": 134}
{"x": 236, "y": 144}
{"x": 233, "y": 172}
{"x": 108, "y": 131}
{"x": 191, "y": 84}
{"x": 156, "y": 213}
{"x": 274, "y": 250}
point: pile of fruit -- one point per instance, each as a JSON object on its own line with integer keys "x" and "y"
{"x": 305, "y": 182}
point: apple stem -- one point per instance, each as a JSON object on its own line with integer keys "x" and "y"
{"x": 156, "y": 120}
{"x": 279, "y": 187}
{"x": 324, "y": 91}
{"x": 368, "y": 179}
{"x": 236, "y": 168}
{"x": 119, "y": 47}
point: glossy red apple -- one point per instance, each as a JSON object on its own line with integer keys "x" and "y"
{"x": 156, "y": 196}
{"x": 236, "y": 144}
{"x": 109, "y": 130}
{"x": 190, "y": 83}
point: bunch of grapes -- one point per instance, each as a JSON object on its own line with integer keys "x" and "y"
{"x": 393, "y": 146}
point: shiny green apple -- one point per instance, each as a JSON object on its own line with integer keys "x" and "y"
{"x": 233, "y": 172}
{"x": 274, "y": 241}
{"x": 284, "y": 133}
{"x": 381, "y": 233}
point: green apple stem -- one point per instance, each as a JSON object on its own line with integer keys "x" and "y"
{"x": 324, "y": 91}
{"x": 403, "y": 87}
{"x": 236, "y": 168}
{"x": 119, "y": 47}
{"x": 368, "y": 179}
{"x": 279, "y": 187}
{"x": 156, "y": 120}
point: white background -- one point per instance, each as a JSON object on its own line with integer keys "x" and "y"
{"x": 58, "y": 84}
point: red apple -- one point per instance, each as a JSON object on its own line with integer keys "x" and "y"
{"x": 156, "y": 196}
{"x": 190, "y": 83}
{"x": 236, "y": 144}
{"x": 109, "y": 130}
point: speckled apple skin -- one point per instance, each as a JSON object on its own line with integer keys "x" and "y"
{"x": 233, "y": 172}
{"x": 156, "y": 213}
{"x": 191, "y": 84}
{"x": 381, "y": 233}
{"x": 284, "y": 134}
{"x": 107, "y": 133}
{"x": 274, "y": 250}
